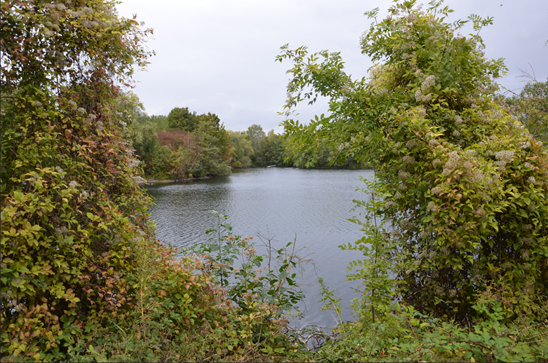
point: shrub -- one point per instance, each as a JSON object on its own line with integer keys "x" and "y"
{"x": 71, "y": 210}
{"x": 463, "y": 183}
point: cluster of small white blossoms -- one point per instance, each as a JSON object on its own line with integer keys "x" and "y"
{"x": 411, "y": 144}
{"x": 61, "y": 230}
{"x": 343, "y": 146}
{"x": 100, "y": 126}
{"x": 526, "y": 241}
{"x": 403, "y": 174}
{"x": 436, "y": 190}
{"x": 433, "y": 207}
{"x": 428, "y": 82}
{"x": 73, "y": 184}
{"x": 483, "y": 118}
{"x": 133, "y": 163}
{"x": 402, "y": 186}
{"x": 72, "y": 104}
{"x": 453, "y": 161}
{"x": 525, "y": 145}
{"x": 409, "y": 159}
{"x": 476, "y": 176}
{"x": 503, "y": 157}
{"x": 421, "y": 111}
{"x": 60, "y": 171}
{"x": 389, "y": 204}
{"x": 480, "y": 212}
{"x": 531, "y": 180}
{"x": 458, "y": 120}
{"x": 89, "y": 119}
{"x": 433, "y": 142}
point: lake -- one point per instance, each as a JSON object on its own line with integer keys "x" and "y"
{"x": 311, "y": 204}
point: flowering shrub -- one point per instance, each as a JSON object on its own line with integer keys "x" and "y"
{"x": 463, "y": 183}
{"x": 71, "y": 211}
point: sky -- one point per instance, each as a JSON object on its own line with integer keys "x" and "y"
{"x": 218, "y": 56}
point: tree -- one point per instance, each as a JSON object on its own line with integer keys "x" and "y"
{"x": 463, "y": 183}
{"x": 256, "y": 134}
{"x": 531, "y": 106}
{"x": 182, "y": 119}
{"x": 242, "y": 149}
{"x": 71, "y": 210}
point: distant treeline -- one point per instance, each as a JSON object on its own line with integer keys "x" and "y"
{"x": 184, "y": 144}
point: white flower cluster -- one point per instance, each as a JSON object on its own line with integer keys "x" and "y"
{"x": 100, "y": 126}
{"x": 433, "y": 207}
{"x": 480, "y": 212}
{"x": 402, "y": 186}
{"x": 409, "y": 159}
{"x": 422, "y": 98}
{"x": 397, "y": 195}
{"x": 61, "y": 230}
{"x": 476, "y": 176}
{"x": 72, "y": 104}
{"x": 73, "y": 184}
{"x": 503, "y": 157}
{"x": 58, "y": 6}
{"x": 525, "y": 145}
{"x": 433, "y": 142}
{"x": 343, "y": 146}
{"x": 89, "y": 119}
{"x": 428, "y": 82}
{"x": 411, "y": 144}
{"x": 456, "y": 133}
{"x": 403, "y": 174}
{"x": 526, "y": 241}
{"x": 84, "y": 194}
{"x": 458, "y": 120}
{"x": 133, "y": 163}
{"x": 454, "y": 159}
{"x": 422, "y": 111}
{"x": 389, "y": 204}
{"x": 436, "y": 190}
{"x": 531, "y": 180}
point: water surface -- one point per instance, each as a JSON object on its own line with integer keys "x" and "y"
{"x": 311, "y": 205}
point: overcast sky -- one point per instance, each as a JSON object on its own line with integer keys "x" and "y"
{"x": 219, "y": 56}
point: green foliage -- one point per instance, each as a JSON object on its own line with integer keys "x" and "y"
{"x": 531, "y": 106}
{"x": 463, "y": 182}
{"x": 182, "y": 119}
{"x": 404, "y": 335}
{"x": 274, "y": 284}
{"x": 71, "y": 210}
{"x": 242, "y": 149}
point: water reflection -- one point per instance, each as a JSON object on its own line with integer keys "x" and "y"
{"x": 314, "y": 205}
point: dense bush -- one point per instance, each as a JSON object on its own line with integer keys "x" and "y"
{"x": 463, "y": 183}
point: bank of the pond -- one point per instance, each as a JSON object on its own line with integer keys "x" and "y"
{"x": 168, "y": 181}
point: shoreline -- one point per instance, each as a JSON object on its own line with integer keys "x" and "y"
{"x": 167, "y": 181}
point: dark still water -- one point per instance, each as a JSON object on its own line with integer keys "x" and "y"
{"x": 314, "y": 205}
